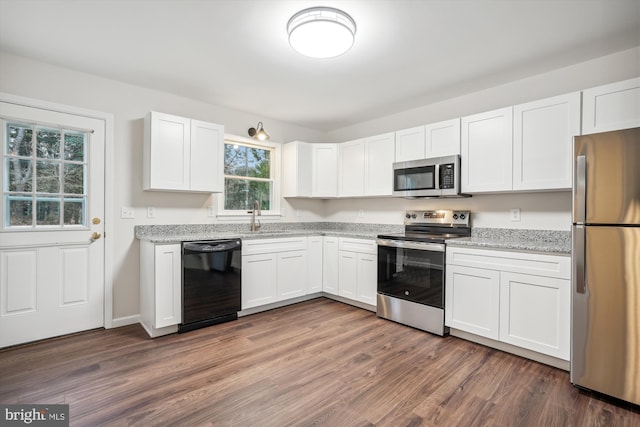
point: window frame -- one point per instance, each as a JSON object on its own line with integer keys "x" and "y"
{"x": 275, "y": 148}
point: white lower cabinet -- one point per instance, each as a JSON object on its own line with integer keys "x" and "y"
{"x": 330, "y": 265}
{"x": 314, "y": 264}
{"x": 357, "y": 269}
{"x": 160, "y": 287}
{"x": 259, "y": 280}
{"x": 472, "y": 300}
{"x": 273, "y": 270}
{"x": 518, "y": 298}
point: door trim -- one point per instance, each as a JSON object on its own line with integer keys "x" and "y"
{"x": 107, "y": 119}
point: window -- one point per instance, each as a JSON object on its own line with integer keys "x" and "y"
{"x": 249, "y": 176}
{"x": 44, "y": 176}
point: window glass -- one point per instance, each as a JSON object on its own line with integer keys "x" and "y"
{"x": 44, "y": 183}
{"x": 249, "y": 176}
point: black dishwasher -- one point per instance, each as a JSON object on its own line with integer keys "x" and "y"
{"x": 211, "y": 283}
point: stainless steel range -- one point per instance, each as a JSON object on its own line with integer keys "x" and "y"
{"x": 411, "y": 268}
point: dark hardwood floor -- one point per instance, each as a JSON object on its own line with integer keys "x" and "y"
{"x": 319, "y": 362}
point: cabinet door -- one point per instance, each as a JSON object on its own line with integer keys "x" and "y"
{"x": 347, "y": 274}
{"x": 486, "y": 151}
{"x": 314, "y": 264}
{"x": 351, "y": 168}
{"x": 296, "y": 169}
{"x": 611, "y": 107}
{"x": 442, "y": 139}
{"x": 472, "y": 300}
{"x": 259, "y": 280}
{"x": 168, "y": 285}
{"x": 330, "y": 264}
{"x": 410, "y": 144}
{"x": 324, "y": 179}
{"x": 535, "y": 313}
{"x": 207, "y": 157}
{"x": 367, "y": 283}
{"x": 292, "y": 274}
{"x": 167, "y": 140}
{"x": 379, "y": 157}
{"x": 543, "y": 134}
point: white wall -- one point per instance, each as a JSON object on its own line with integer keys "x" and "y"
{"x": 129, "y": 104}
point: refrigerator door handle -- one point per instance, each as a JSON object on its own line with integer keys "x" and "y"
{"x": 578, "y": 258}
{"x": 580, "y": 190}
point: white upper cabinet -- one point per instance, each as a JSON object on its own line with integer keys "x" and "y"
{"x": 351, "y": 166}
{"x": 296, "y": 170}
{"x": 486, "y": 151}
{"x": 442, "y": 138}
{"x": 433, "y": 140}
{"x": 410, "y": 144}
{"x": 207, "y": 157}
{"x": 543, "y": 134}
{"x": 324, "y": 170}
{"x": 611, "y": 107}
{"x": 379, "y": 158}
{"x": 181, "y": 154}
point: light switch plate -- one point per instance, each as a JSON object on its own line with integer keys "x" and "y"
{"x": 127, "y": 212}
{"x": 151, "y": 211}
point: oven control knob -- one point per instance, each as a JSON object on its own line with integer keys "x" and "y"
{"x": 462, "y": 216}
{"x": 406, "y": 293}
{"x": 407, "y": 215}
{"x": 455, "y": 216}
{"x": 413, "y": 215}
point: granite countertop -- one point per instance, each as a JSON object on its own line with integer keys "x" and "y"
{"x": 191, "y": 232}
{"x": 550, "y": 241}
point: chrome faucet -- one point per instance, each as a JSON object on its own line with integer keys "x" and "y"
{"x": 254, "y": 212}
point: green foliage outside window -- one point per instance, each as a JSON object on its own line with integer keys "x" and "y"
{"x": 247, "y": 171}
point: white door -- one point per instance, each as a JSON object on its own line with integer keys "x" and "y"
{"x": 52, "y": 225}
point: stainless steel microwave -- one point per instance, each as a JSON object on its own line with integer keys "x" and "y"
{"x": 434, "y": 177}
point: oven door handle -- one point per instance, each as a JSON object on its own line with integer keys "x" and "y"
{"x": 421, "y": 246}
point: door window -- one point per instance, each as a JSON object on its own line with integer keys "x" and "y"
{"x": 44, "y": 177}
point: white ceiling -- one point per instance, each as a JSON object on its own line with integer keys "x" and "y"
{"x": 235, "y": 53}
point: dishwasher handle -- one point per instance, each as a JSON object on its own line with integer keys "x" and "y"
{"x": 212, "y": 246}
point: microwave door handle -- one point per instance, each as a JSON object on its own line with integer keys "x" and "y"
{"x": 436, "y": 179}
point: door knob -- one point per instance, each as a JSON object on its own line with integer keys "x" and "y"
{"x": 95, "y": 236}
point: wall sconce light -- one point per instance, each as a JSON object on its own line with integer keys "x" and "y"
{"x": 258, "y": 133}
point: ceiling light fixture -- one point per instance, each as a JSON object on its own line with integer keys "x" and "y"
{"x": 321, "y": 32}
{"x": 258, "y": 132}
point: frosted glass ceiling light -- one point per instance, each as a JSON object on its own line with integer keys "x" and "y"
{"x": 321, "y": 32}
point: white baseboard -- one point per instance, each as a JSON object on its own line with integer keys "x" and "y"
{"x": 125, "y": 321}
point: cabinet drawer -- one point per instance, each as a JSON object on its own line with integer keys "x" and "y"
{"x": 364, "y": 246}
{"x": 265, "y": 246}
{"x": 557, "y": 266}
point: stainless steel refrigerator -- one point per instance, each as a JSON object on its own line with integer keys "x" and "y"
{"x": 605, "y": 339}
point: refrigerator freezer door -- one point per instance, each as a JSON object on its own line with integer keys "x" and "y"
{"x": 607, "y": 178}
{"x": 605, "y": 347}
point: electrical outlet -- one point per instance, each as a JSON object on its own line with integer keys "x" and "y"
{"x": 151, "y": 211}
{"x": 127, "y": 212}
{"x": 211, "y": 211}
{"x": 361, "y": 213}
{"x": 515, "y": 214}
